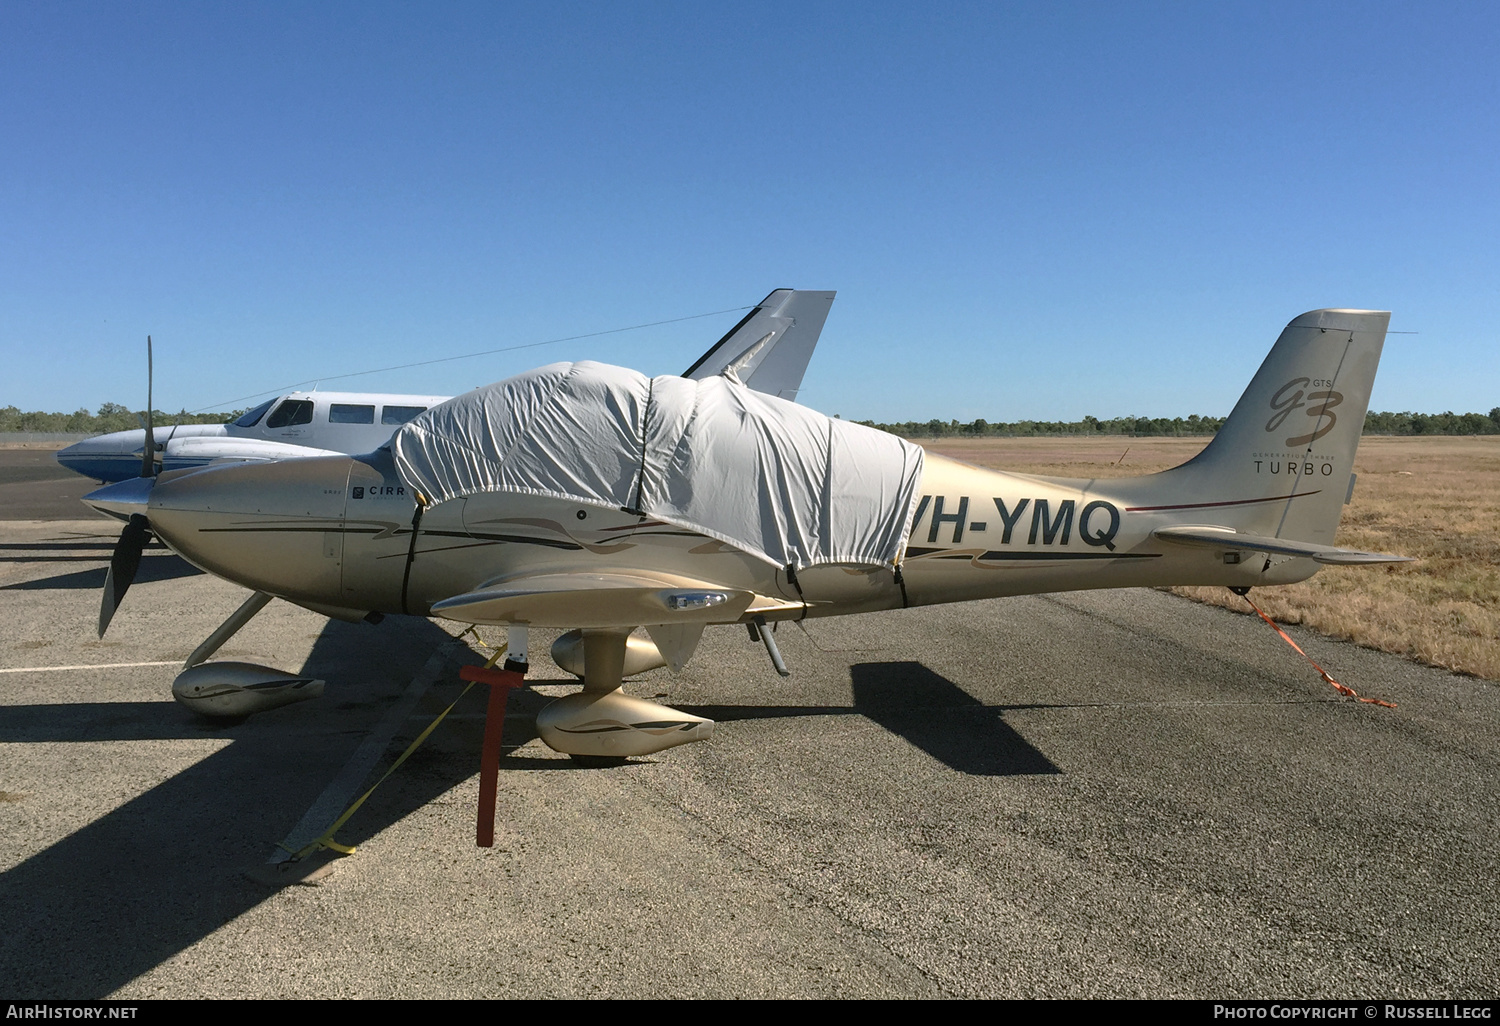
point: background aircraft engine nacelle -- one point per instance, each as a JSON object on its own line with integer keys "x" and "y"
{"x": 614, "y": 724}
{"x": 191, "y": 453}
{"x": 641, "y": 654}
{"x": 233, "y": 690}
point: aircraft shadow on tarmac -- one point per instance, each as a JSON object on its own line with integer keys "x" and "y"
{"x": 157, "y": 564}
{"x": 943, "y": 720}
{"x": 159, "y": 873}
{"x": 153, "y": 568}
{"x": 927, "y": 710}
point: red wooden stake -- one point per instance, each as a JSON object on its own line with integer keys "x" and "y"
{"x": 500, "y": 682}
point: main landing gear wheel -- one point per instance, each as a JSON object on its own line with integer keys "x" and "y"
{"x": 603, "y": 726}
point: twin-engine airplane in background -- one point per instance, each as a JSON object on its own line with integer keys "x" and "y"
{"x": 592, "y": 498}
{"x": 782, "y": 330}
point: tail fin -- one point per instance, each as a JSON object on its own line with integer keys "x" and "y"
{"x": 782, "y": 331}
{"x": 1282, "y": 466}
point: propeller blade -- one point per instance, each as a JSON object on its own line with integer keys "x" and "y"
{"x": 122, "y": 567}
{"x": 148, "y": 451}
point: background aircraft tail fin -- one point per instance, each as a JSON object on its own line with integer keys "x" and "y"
{"x": 782, "y": 330}
{"x": 1282, "y": 465}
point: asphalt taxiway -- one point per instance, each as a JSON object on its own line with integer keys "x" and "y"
{"x": 1097, "y": 794}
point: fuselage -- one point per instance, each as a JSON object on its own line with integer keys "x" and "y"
{"x": 296, "y": 424}
{"x": 335, "y": 533}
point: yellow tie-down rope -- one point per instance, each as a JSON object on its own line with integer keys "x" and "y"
{"x": 326, "y": 841}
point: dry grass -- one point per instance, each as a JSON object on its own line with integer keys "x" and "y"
{"x": 1437, "y": 499}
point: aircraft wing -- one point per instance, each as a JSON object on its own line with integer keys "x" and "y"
{"x": 1228, "y": 538}
{"x": 769, "y": 349}
{"x": 627, "y": 599}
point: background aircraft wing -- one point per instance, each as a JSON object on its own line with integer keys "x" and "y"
{"x": 770, "y": 348}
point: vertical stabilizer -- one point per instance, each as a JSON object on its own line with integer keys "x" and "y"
{"x": 769, "y": 350}
{"x": 1281, "y": 464}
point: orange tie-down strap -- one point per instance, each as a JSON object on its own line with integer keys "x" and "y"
{"x": 1340, "y": 688}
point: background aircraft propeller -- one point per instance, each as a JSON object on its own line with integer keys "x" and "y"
{"x": 148, "y": 451}
{"x": 126, "y": 559}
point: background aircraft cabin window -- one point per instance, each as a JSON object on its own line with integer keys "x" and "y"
{"x": 349, "y": 413}
{"x": 400, "y": 414}
{"x": 291, "y": 413}
{"x": 252, "y": 418}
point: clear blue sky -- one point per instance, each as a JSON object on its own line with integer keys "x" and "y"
{"x": 1028, "y": 210}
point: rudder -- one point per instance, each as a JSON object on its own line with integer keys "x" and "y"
{"x": 1283, "y": 460}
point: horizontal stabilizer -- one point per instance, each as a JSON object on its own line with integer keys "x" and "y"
{"x": 596, "y": 600}
{"x": 1228, "y": 538}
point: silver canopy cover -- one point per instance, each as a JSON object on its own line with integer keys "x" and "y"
{"x": 763, "y": 474}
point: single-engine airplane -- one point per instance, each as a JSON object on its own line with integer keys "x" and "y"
{"x": 786, "y": 325}
{"x": 593, "y": 498}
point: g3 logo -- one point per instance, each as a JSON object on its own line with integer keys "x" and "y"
{"x": 1322, "y": 403}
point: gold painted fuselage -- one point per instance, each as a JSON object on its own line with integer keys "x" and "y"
{"x": 336, "y": 534}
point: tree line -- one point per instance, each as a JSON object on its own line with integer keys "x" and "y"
{"x": 111, "y": 417}
{"x": 1375, "y": 424}
{"x": 114, "y": 417}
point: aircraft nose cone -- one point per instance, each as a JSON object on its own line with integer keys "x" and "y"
{"x": 86, "y": 458}
{"x": 112, "y": 457}
{"x": 70, "y": 456}
{"x": 122, "y": 498}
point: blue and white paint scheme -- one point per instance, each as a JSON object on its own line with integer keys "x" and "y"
{"x": 768, "y": 350}
{"x": 297, "y": 424}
